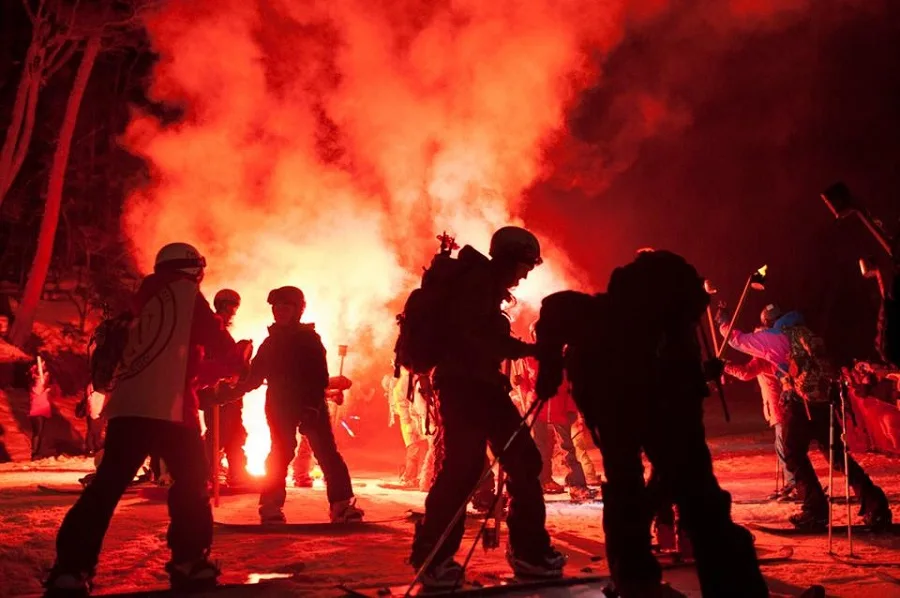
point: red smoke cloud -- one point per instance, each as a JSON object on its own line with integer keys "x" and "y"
{"x": 325, "y": 144}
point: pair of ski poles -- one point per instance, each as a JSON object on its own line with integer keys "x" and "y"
{"x": 525, "y": 426}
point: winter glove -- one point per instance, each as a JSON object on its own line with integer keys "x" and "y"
{"x": 339, "y": 383}
{"x": 723, "y": 317}
{"x": 713, "y": 369}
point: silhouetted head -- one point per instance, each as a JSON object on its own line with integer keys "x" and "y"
{"x": 770, "y": 315}
{"x": 514, "y": 252}
{"x": 288, "y": 304}
{"x": 227, "y": 303}
{"x": 180, "y": 257}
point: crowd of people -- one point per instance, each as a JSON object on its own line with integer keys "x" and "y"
{"x": 623, "y": 369}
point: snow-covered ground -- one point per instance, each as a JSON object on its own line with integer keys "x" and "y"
{"x": 135, "y": 549}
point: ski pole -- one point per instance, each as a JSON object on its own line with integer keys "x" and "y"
{"x": 524, "y": 425}
{"x": 831, "y": 475}
{"x": 342, "y": 351}
{"x": 718, "y": 380}
{"x": 711, "y": 290}
{"x": 494, "y": 540}
{"x": 843, "y": 389}
{"x": 777, "y": 471}
{"x": 755, "y": 281}
{"x": 215, "y": 454}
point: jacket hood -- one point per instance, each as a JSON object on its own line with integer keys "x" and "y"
{"x": 791, "y": 318}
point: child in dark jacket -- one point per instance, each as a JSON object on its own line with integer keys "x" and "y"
{"x": 292, "y": 360}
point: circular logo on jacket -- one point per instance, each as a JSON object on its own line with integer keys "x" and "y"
{"x": 150, "y": 334}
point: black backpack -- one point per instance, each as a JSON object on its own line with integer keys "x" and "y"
{"x": 423, "y": 324}
{"x": 106, "y": 347}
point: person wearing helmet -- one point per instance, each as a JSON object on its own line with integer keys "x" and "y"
{"x": 226, "y": 303}
{"x": 292, "y": 360}
{"x": 634, "y": 362}
{"x": 795, "y": 353}
{"x": 773, "y": 411}
{"x": 153, "y": 408}
{"x": 476, "y": 412}
{"x": 232, "y": 434}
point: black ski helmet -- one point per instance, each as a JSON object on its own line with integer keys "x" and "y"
{"x": 289, "y": 295}
{"x": 226, "y": 296}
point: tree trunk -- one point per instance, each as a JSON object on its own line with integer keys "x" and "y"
{"x": 18, "y": 137}
{"x": 21, "y": 331}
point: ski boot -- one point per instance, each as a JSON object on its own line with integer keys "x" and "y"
{"x": 303, "y": 482}
{"x": 62, "y": 584}
{"x": 271, "y": 515}
{"x": 443, "y": 575}
{"x": 815, "y": 591}
{"x": 685, "y": 548}
{"x": 483, "y": 500}
{"x": 192, "y": 576}
{"x": 642, "y": 590}
{"x": 548, "y": 565}
{"x": 581, "y": 494}
{"x": 875, "y": 510}
{"x": 809, "y": 521}
{"x": 345, "y": 511}
{"x": 666, "y": 539}
{"x": 86, "y": 480}
{"x": 553, "y": 487}
{"x": 146, "y": 475}
{"x": 789, "y": 494}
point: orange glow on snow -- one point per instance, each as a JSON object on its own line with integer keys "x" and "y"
{"x": 325, "y": 144}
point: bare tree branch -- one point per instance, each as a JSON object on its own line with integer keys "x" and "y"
{"x": 25, "y": 138}
{"x": 51, "y": 68}
{"x": 74, "y": 16}
{"x": 29, "y": 12}
{"x": 56, "y": 44}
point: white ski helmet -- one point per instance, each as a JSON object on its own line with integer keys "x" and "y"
{"x": 516, "y": 243}
{"x": 181, "y": 257}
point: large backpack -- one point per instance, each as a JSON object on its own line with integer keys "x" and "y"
{"x": 810, "y": 374}
{"x": 424, "y": 330}
{"x": 106, "y": 347}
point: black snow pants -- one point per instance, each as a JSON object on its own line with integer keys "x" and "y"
{"x": 129, "y": 440}
{"x": 38, "y": 429}
{"x": 635, "y": 410}
{"x": 232, "y": 437}
{"x": 315, "y": 425}
{"x": 474, "y": 415}
{"x": 799, "y": 430}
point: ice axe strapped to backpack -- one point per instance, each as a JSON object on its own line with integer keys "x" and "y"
{"x": 423, "y": 337}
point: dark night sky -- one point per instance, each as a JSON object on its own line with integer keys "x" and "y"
{"x": 768, "y": 118}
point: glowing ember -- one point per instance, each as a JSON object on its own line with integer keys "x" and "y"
{"x": 325, "y": 144}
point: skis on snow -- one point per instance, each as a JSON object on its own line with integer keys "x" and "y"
{"x": 481, "y": 586}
